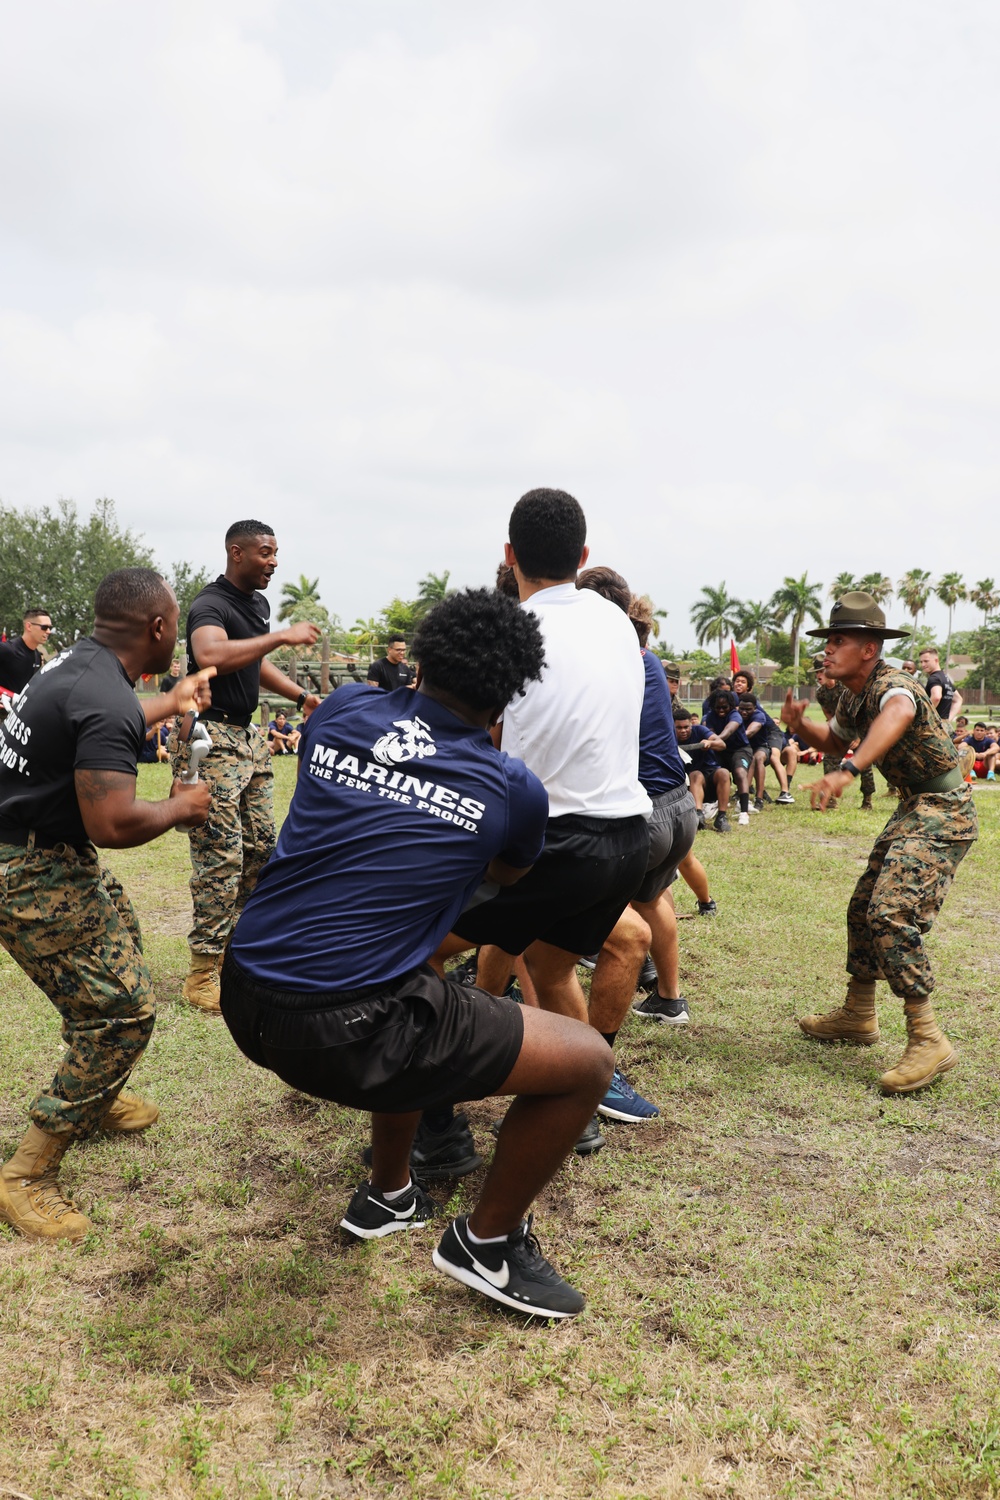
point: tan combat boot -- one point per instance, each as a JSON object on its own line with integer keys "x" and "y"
{"x": 201, "y": 987}
{"x": 928, "y": 1052}
{"x": 30, "y": 1199}
{"x": 129, "y": 1113}
{"x": 854, "y": 1021}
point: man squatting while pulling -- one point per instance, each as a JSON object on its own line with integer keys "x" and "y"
{"x": 405, "y": 792}
{"x": 228, "y": 629}
{"x": 915, "y": 856}
{"x": 68, "y": 753}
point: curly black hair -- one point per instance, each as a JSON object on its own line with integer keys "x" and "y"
{"x": 480, "y": 646}
{"x": 547, "y": 531}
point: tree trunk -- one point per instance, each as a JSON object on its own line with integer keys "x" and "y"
{"x": 293, "y": 666}
{"x": 795, "y": 653}
{"x": 324, "y": 665}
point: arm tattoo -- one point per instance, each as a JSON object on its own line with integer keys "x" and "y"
{"x": 96, "y": 786}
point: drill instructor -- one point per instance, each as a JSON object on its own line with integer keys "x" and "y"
{"x": 917, "y": 853}
{"x": 228, "y": 629}
{"x": 68, "y": 753}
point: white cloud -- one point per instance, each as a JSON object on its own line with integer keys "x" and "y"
{"x": 726, "y": 272}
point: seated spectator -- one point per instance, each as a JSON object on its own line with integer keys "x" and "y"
{"x": 767, "y": 741}
{"x": 154, "y": 746}
{"x": 282, "y": 737}
{"x": 985, "y": 752}
{"x": 704, "y": 771}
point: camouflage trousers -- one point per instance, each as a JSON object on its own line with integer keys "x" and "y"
{"x": 230, "y": 850}
{"x": 897, "y": 898}
{"x": 69, "y": 925}
{"x": 832, "y": 762}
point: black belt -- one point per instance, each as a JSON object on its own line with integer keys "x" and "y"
{"x": 223, "y": 716}
{"x": 18, "y": 838}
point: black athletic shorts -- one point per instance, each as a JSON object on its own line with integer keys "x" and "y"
{"x": 572, "y": 897}
{"x": 768, "y": 740}
{"x": 418, "y": 1042}
{"x": 672, "y": 830}
{"x": 740, "y": 755}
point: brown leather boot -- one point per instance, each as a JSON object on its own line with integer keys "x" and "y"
{"x": 129, "y": 1113}
{"x": 30, "y": 1199}
{"x": 201, "y": 987}
{"x": 854, "y": 1021}
{"x": 928, "y": 1052}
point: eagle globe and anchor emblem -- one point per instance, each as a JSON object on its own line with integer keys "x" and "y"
{"x": 414, "y": 743}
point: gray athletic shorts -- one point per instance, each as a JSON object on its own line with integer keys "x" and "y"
{"x": 672, "y": 828}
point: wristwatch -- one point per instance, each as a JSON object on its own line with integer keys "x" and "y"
{"x": 300, "y": 702}
{"x": 849, "y": 767}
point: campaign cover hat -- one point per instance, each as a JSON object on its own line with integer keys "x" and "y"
{"x": 672, "y": 670}
{"x": 857, "y": 611}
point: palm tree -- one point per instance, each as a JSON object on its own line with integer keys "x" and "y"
{"x": 756, "y": 621}
{"x": 844, "y": 583}
{"x": 432, "y": 589}
{"x": 914, "y": 589}
{"x": 950, "y": 588}
{"x": 985, "y": 597}
{"x": 715, "y": 614}
{"x": 294, "y": 595}
{"x": 796, "y": 599}
{"x": 367, "y": 633}
{"x": 878, "y": 585}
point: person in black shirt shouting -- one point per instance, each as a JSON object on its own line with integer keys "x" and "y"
{"x": 228, "y": 628}
{"x": 392, "y": 671}
{"x": 68, "y": 752}
{"x": 21, "y": 658}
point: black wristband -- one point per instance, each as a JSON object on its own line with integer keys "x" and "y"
{"x": 300, "y": 702}
{"x": 849, "y": 767}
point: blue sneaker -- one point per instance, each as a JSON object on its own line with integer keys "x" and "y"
{"x": 621, "y": 1102}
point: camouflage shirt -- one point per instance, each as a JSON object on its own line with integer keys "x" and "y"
{"x": 828, "y": 698}
{"x": 924, "y": 751}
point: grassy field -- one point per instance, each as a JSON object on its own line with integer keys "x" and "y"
{"x": 794, "y": 1283}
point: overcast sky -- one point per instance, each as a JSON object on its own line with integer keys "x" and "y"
{"x": 728, "y": 272}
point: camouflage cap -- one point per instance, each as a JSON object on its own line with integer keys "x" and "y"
{"x": 857, "y": 611}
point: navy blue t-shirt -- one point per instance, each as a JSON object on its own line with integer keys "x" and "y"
{"x": 979, "y": 745}
{"x": 701, "y": 759}
{"x": 718, "y": 722}
{"x": 660, "y": 766}
{"x": 398, "y": 809}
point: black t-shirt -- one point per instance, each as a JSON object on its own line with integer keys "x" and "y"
{"x": 390, "y": 675}
{"x": 167, "y": 684}
{"x": 241, "y": 616}
{"x": 79, "y": 713}
{"x": 18, "y": 664}
{"x": 941, "y": 679}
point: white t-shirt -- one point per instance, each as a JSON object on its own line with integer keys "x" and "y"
{"x": 578, "y": 727}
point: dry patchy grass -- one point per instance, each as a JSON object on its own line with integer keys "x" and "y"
{"x": 793, "y": 1282}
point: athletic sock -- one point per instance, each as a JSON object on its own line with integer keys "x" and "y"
{"x": 609, "y": 1037}
{"x": 396, "y": 1192}
{"x": 744, "y": 802}
{"x": 494, "y": 1239}
{"x": 438, "y": 1120}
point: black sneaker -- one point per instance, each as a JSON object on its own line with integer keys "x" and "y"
{"x": 758, "y": 804}
{"x": 707, "y": 908}
{"x": 588, "y": 960}
{"x": 702, "y": 825}
{"x": 655, "y": 1008}
{"x": 370, "y": 1217}
{"x": 648, "y": 979}
{"x": 438, "y": 1154}
{"x": 513, "y": 992}
{"x": 590, "y": 1141}
{"x": 514, "y": 1271}
{"x": 465, "y": 972}
{"x": 768, "y": 797}
{"x": 722, "y": 823}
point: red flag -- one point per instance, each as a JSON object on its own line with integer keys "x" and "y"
{"x": 734, "y": 659}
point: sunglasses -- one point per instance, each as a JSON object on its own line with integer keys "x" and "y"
{"x": 40, "y": 627}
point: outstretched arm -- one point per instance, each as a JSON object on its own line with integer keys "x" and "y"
{"x": 821, "y": 738}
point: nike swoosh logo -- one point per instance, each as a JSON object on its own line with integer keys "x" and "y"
{"x": 499, "y": 1279}
{"x": 407, "y": 1213}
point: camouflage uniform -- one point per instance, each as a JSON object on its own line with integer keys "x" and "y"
{"x": 917, "y": 853}
{"x": 230, "y": 850}
{"x": 68, "y": 924}
{"x": 828, "y": 698}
